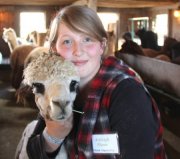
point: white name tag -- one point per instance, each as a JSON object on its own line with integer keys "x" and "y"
{"x": 105, "y": 143}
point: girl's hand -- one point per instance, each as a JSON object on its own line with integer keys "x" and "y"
{"x": 58, "y": 129}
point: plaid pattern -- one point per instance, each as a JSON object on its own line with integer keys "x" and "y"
{"x": 95, "y": 119}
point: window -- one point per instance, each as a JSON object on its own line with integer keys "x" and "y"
{"x": 32, "y": 21}
{"x": 136, "y": 24}
{"x": 161, "y": 27}
{"x": 108, "y": 18}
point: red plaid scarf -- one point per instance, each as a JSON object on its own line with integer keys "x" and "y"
{"x": 111, "y": 73}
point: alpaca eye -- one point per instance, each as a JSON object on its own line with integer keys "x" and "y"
{"x": 38, "y": 88}
{"x": 73, "y": 86}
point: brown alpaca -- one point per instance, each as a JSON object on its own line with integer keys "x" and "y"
{"x": 17, "y": 59}
{"x": 131, "y": 47}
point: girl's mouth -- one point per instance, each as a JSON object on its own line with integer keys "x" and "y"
{"x": 80, "y": 62}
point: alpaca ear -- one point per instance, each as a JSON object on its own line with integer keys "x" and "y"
{"x": 103, "y": 44}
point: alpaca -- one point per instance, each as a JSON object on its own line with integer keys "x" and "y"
{"x": 17, "y": 56}
{"x": 148, "y": 38}
{"x": 32, "y": 37}
{"x": 17, "y": 62}
{"x": 54, "y": 82}
{"x": 132, "y": 47}
{"x": 17, "y": 59}
{"x": 9, "y": 36}
{"x": 38, "y": 38}
{"x": 175, "y": 53}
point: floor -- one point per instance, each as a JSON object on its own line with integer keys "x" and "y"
{"x": 14, "y": 117}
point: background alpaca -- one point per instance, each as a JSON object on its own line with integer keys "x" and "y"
{"x": 166, "y": 51}
{"x": 148, "y": 38}
{"x": 9, "y": 36}
{"x": 175, "y": 53}
{"x": 169, "y": 42}
{"x": 54, "y": 87}
{"x": 18, "y": 55}
{"x": 17, "y": 59}
{"x": 132, "y": 47}
{"x": 37, "y": 38}
{"x": 32, "y": 37}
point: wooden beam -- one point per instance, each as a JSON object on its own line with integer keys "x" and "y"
{"x": 96, "y": 3}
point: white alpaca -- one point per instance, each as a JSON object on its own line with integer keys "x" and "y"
{"x": 54, "y": 81}
{"x": 10, "y": 37}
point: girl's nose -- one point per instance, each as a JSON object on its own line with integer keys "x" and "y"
{"x": 77, "y": 51}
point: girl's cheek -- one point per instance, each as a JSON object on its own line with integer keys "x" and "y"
{"x": 94, "y": 49}
{"x": 64, "y": 53}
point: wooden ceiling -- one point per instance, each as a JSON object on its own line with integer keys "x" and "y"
{"x": 100, "y": 3}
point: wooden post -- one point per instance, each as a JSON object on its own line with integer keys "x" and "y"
{"x": 92, "y": 4}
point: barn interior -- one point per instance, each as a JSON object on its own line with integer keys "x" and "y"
{"x": 161, "y": 77}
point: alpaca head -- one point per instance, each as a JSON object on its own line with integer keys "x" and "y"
{"x": 54, "y": 82}
{"x": 32, "y": 37}
{"x": 9, "y": 34}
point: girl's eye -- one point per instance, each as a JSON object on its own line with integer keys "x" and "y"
{"x": 67, "y": 42}
{"x": 87, "y": 39}
{"x": 38, "y": 88}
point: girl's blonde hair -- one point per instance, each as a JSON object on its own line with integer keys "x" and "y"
{"x": 80, "y": 19}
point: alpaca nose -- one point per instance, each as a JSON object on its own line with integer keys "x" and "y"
{"x": 61, "y": 104}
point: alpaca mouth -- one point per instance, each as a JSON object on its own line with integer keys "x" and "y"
{"x": 61, "y": 117}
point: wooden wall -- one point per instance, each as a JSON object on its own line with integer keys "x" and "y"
{"x": 6, "y": 17}
{"x": 9, "y": 15}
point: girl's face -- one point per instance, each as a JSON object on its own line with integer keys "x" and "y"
{"x": 81, "y": 49}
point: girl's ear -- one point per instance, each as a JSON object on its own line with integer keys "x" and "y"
{"x": 104, "y": 42}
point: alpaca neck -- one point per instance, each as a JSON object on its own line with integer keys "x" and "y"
{"x": 12, "y": 44}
